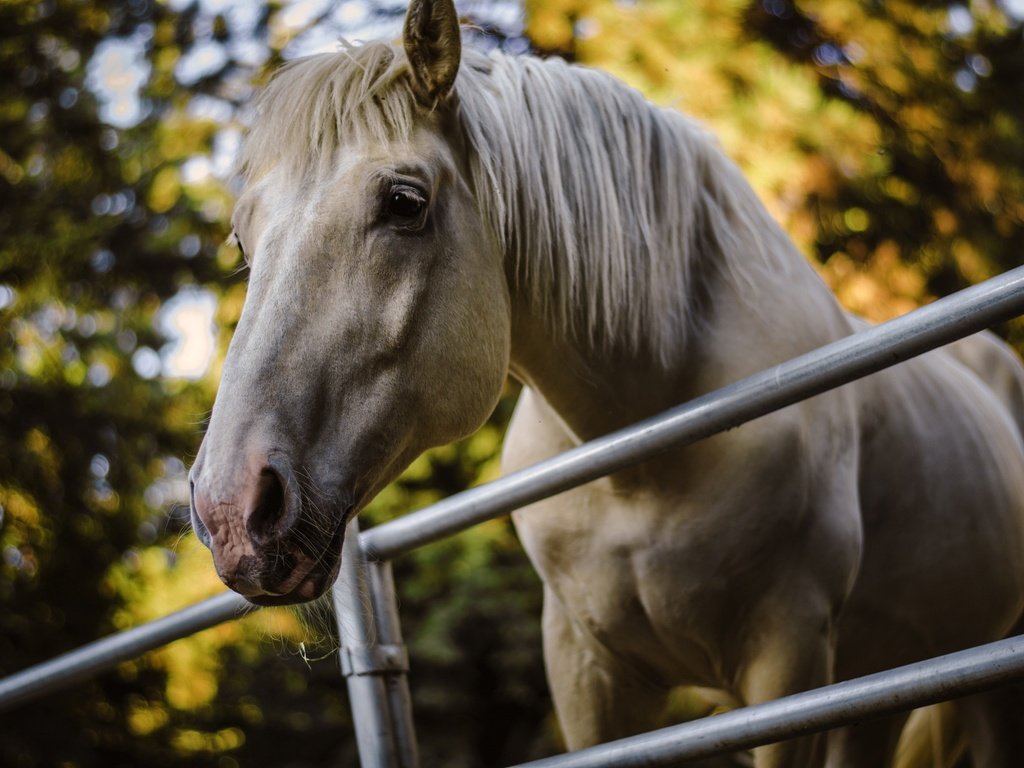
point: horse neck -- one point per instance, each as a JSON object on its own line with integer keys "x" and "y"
{"x": 594, "y": 388}
{"x": 740, "y": 328}
{"x": 670, "y": 256}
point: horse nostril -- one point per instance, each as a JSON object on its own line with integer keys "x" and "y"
{"x": 197, "y": 523}
{"x": 269, "y": 516}
{"x": 201, "y": 531}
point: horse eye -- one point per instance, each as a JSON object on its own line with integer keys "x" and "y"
{"x": 405, "y": 203}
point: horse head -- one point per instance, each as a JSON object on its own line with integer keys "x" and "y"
{"x": 376, "y": 322}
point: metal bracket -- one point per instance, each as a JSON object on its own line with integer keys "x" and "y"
{"x": 373, "y": 660}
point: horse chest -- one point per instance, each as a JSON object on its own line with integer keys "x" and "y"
{"x": 647, "y": 580}
{"x": 673, "y": 561}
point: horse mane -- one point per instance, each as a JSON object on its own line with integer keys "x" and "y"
{"x": 613, "y": 209}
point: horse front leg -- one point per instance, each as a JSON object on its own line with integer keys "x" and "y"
{"x": 789, "y": 654}
{"x": 597, "y": 697}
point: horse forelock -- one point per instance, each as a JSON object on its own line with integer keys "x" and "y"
{"x": 611, "y": 208}
{"x": 314, "y": 104}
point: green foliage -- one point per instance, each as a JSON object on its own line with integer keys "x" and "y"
{"x": 101, "y": 223}
{"x": 887, "y": 137}
{"x": 97, "y": 230}
{"x": 85, "y": 263}
{"x": 941, "y": 85}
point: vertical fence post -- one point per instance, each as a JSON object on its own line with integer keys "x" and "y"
{"x": 396, "y": 682}
{"x": 373, "y": 659}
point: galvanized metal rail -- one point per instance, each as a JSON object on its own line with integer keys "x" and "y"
{"x": 101, "y": 655}
{"x": 852, "y": 701}
{"x": 372, "y": 655}
{"x": 828, "y": 367}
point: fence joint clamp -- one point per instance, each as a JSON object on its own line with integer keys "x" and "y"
{"x": 373, "y": 660}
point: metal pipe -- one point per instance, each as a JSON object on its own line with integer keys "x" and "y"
{"x": 370, "y": 666}
{"x": 356, "y": 628}
{"x": 98, "y": 656}
{"x": 840, "y": 362}
{"x": 389, "y": 636}
{"x": 894, "y": 690}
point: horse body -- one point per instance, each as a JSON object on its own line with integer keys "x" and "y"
{"x": 843, "y": 530}
{"x": 547, "y": 221}
{"x": 992, "y": 361}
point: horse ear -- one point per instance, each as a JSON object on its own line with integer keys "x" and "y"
{"x": 433, "y": 47}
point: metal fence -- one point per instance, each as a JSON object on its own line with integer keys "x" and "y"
{"x": 373, "y": 658}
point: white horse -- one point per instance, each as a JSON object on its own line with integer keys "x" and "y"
{"x": 419, "y": 223}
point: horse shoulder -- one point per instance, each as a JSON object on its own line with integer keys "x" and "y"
{"x": 550, "y": 528}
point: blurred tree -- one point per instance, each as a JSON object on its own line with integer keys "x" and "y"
{"x": 885, "y": 136}
{"x": 942, "y": 85}
{"x": 115, "y": 119}
{"x": 95, "y": 232}
{"x": 98, "y": 227}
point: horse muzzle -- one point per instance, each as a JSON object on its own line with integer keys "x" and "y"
{"x": 269, "y": 543}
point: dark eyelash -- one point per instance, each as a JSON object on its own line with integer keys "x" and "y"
{"x": 237, "y": 242}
